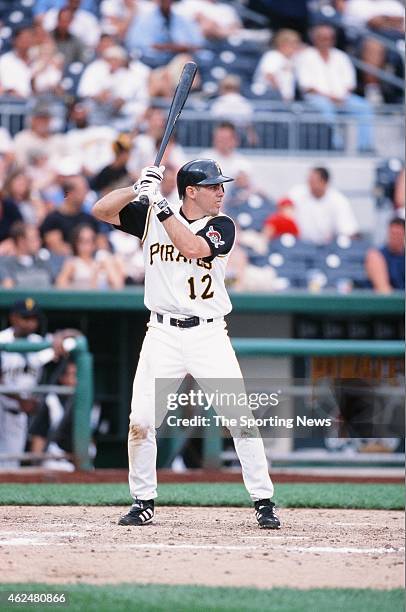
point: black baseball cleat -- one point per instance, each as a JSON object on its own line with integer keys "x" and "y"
{"x": 140, "y": 513}
{"x": 265, "y": 514}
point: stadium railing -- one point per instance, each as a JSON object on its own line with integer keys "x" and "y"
{"x": 290, "y": 347}
{"x": 279, "y": 127}
{"x": 83, "y": 392}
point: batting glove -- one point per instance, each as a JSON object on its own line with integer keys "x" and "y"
{"x": 136, "y": 188}
{"x": 157, "y": 201}
{"x": 152, "y": 175}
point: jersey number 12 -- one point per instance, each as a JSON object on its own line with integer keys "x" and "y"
{"x": 207, "y": 294}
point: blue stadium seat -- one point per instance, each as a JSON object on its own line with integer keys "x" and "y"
{"x": 71, "y": 77}
{"x": 386, "y": 174}
{"x": 294, "y": 250}
{"x": 351, "y": 251}
{"x": 250, "y": 216}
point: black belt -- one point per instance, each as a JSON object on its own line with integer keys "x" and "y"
{"x": 191, "y": 322}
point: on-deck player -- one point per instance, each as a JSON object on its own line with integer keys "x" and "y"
{"x": 185, "y": 254}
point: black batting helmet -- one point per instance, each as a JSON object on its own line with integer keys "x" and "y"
{"x": 200, "y": 172}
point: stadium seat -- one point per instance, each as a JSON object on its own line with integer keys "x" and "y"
{"x": 294, "y": 250}
{"x": 386, "y": 173}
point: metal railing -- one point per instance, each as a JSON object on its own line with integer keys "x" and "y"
{"x": 276, "y": 127}
{"x": 291, "y": 347}
{"x": 294, "y": 129}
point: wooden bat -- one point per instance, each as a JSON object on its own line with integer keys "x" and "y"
{"x": 177, "y": 104}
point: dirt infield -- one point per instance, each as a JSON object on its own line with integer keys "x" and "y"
{"x": 205, "y": 546}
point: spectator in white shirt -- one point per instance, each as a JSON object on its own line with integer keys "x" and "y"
{"x": 276, "y": 70}
{"x": 385, "y": 17}
{"x": 91, "y": 145}
{"x": 224, "y": 149}
{"x": 117, "y": 15}
{"x": 216, "y": 20}
{"x": 231, "y": 103}
{"x": 327, "y": 79}
{"x": 119, "y": 90}
{"x": 38, "y": 137}
{"x": 15, "y": 70}
{"x": 322, "y": 212}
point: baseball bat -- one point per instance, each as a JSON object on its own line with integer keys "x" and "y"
{"x": 177, "y": 104}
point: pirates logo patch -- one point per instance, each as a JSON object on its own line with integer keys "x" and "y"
{"x": 215, "y": 237}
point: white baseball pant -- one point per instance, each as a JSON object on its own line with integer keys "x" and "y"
{"x": 205, "y": 352}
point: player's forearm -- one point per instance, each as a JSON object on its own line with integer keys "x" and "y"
{"x": 110, "y": 205}
{"x": 185, "y": 241}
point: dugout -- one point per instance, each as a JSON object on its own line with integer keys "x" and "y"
{"x": 115, "y": 322}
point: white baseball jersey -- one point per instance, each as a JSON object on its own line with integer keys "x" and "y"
{"x": 174, "y": 284}
{"x": 192, "y": 288}
{"x": 20, "y": 369}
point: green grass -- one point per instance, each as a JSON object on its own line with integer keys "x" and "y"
{"x": 323, "y": 495}
{"x": 154, "y": 598}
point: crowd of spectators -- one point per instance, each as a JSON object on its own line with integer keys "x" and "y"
{"x": 114, "y": 64}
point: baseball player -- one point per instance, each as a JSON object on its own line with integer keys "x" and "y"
{"x": 185, "y": 249}
{"x": 21, "y": 372}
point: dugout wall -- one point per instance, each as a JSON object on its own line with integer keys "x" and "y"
{"x": 114, "y": 324}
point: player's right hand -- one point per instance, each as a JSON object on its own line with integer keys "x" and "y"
{"x": 152, "y": 175}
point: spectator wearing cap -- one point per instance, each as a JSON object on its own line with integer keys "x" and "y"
{"x": 21, "y": 372}
{"x": 38, "y": 137}
{"x": 58, "y": 225}
{"x": 282, "y": 221}
{"x": 29, "y": 267}
{"x": 118, "y": 90}
{"x": 276, "y": 69}
{"x": 161, "y": 33}
{"x": 115, "y": 174}
{"x": 327, "y": 80}
{"x": 15, "y": 68}
{"x": 385, "y": 267}
{"x": 321, "y": 211}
